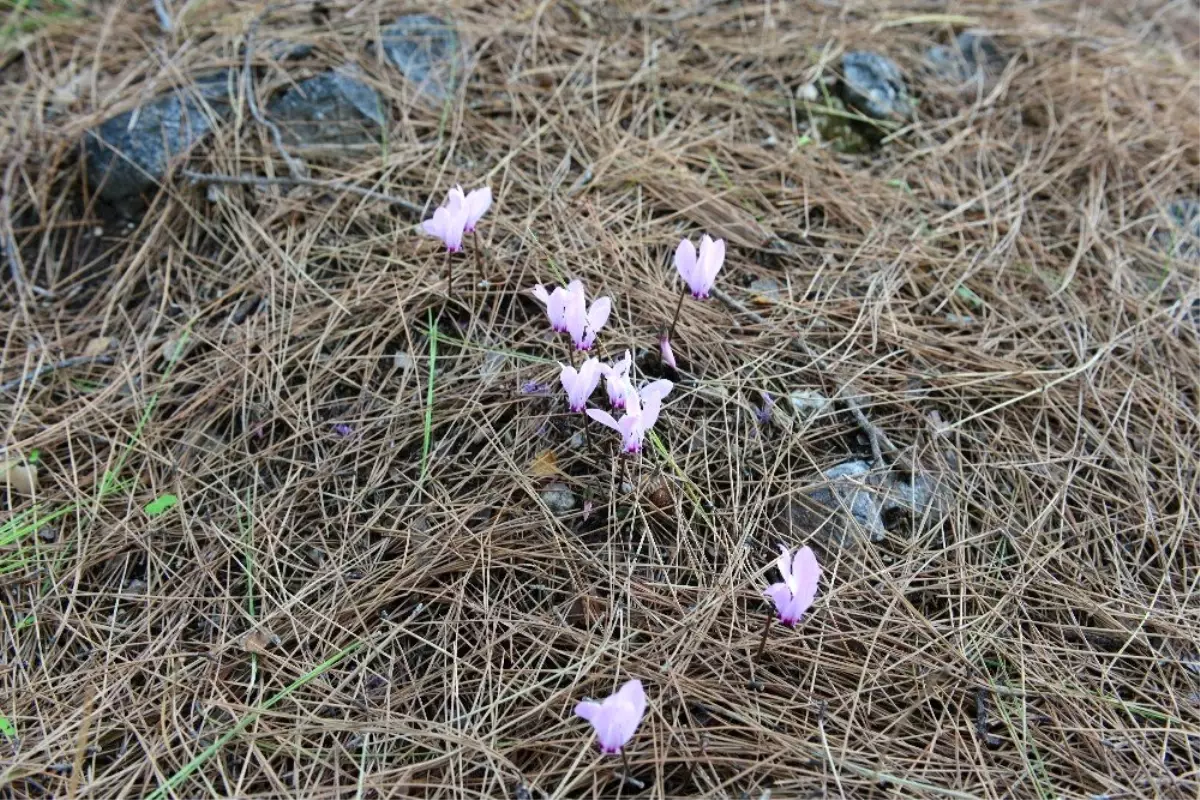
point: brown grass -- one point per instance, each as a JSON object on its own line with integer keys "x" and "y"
{"x": 1041, "y": 641}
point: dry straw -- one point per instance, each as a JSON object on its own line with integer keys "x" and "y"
{"x": 364, "y": 589}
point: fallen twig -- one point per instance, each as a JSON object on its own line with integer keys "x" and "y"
{"x": 875, "y": 435}
{"x": 296, "y": 166}
{"x": 335, "y": 186}
{"x": 74, "y": 361}
{"x": 880, "y": 443}
{"x": 164, "y": 16}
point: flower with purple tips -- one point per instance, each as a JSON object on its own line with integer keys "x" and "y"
{"x": 449, "y": 221}
{"x": 476, "y": 203}
{"x": 616, "y": 718}
{"x": 641, "y": 412}
{"x": 793, "y": 596}
{"x": 616, "y": 380}
{"x": 580, "y": 383}
{"x": 699, "y": 272}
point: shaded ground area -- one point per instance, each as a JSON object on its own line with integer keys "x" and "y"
{"x": 284, "y": 519}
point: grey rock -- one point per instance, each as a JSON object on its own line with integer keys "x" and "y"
{"x": 426, "y": 50}
{"x": 922, "y": 495}
{"x": 130, "y": 153}
{"x": 281, "y": 50}
{"x": 874, "y": 499}
{"x": 333, "y": 108}
{"x": 559, "y": 498}
{"x": 972, "y": 55}
{"x": 849, "y": 488}
{"x": 807, "y": 402}
{"x": 1181, "y": 235}
{"x": 766, "y": 289}
{"x": 875, "y": 85}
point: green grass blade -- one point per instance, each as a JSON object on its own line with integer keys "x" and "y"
{"x": 187, "y": 769}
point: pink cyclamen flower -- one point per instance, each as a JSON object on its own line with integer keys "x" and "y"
{"x": 616, "y": 380}
{"x": 580, "y": 383}
{"x": 641, "y": 412}
{"x": 668, "y": 356}
{"x": 583, "y": 322}
{"x": 558, "y": 301}
{"x": 449, "y": 221}
{"x": 617, "y": 717}
{"x": 794, "y": 596}
{"x": 476, "y": 203}
{"x": 700, "y": 272}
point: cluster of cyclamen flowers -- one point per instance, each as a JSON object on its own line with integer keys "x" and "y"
{"x": 569, "y": 312}
{"x": 617, "y": 717}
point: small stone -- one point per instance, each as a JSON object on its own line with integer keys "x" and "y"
{"x": 808, "y": 92}
{"x": 875, "y": 85}
{"x": 403, "y": 362}
{"x": 1180, "y": 236}
{"x": 136, "y": 586}
{"x": 806, "y": 402}
{"x": 972, "y": 55}
{"x": 426, "y": 50}
{"x": 559, "y": 498}
{"x": 333, "y": 108}
{"x": 259, "y": 641}
{"x": 98, "y": 346}
{"x": 766, "y": 291}
{"x": 960, "y": 319}
{"x": 173, "y": 349}
{"x": 492, "y": 365}
{"x": 848, "y": 488}
{"x": 130, "y": 153}
{"x": 19, "y": 477}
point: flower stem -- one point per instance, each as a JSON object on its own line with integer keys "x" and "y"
{"x": 766, "y": 630}
{"x": 475, "y": 247}
{"x": 449, "y": 274}
{"x": 675, "y": 319}
{"x": 587, "y": 434}
{"x": 625, "y": 762}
